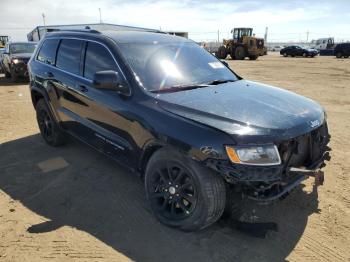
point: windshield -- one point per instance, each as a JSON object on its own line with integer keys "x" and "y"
{"x": 161, "y": 66}
{"x": 22, "y": 48}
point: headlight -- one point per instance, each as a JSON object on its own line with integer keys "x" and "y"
{"x": 15, "y": 61}
{"x": 264, "y": 155}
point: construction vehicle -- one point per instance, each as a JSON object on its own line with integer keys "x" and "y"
{"x": 3, "y": 40}
{"x": 243, "y": 44}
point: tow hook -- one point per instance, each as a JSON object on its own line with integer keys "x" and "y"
{"x": 316, "y": 173}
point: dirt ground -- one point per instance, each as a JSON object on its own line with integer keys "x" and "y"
{"x": 73, "y": 204}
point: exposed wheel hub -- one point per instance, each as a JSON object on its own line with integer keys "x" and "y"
{"x": 172, "y": 190}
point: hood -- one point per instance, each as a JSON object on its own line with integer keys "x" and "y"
{"x": 22, "y": 55}
{"x": 246, "y": 108}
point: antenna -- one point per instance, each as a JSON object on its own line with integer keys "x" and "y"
{"x": 99, "y": 10}
{"x": 44, "y": 19}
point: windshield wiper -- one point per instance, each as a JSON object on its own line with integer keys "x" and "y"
{"x": 177, "y": 88}
{"x": 219, "y": 81}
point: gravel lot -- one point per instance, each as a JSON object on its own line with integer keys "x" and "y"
{"x": 73, "y": 204}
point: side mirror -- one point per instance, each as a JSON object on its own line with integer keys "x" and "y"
{"x": 225, "y": 63}
{"x": 109, "y": 80}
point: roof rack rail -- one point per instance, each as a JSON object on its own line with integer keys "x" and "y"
{"x": 38, "y": 32}
{"x": 86, "y": 30}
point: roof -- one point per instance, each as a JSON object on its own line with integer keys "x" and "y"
{"x": 125, "y": 36}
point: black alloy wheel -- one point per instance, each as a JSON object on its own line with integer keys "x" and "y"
{"x": 48, "y": 127}
{"x": 45, "y": 124}
{"x": 174, "y": 192}
{"x": 181, "y": 192}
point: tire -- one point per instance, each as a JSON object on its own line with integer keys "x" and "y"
{"x": 240, "y": 53}
{"x": 346, "y": 56}
{"x": 305, "y": 55}
{"x": 7, "y": 74}
{"x": 49, "y": 129}
{"x": 191, "y": 198}
{"x": 14, "y": 77}
{"x": 339, "y": 55}
{"x": 285, "y": 54}
{"x": 222, "y": 52}
{"x": 253, "y": 57}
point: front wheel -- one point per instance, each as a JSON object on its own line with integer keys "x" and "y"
{"x": 240, "y": 53}
{"x": 182, "y": 193}
{"x": 48, "y": 127}
{"x": 7, "y": 74}
{"x": 222, "y": 52}
{"x": 339, "y": 55}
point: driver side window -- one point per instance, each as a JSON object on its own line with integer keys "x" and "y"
{"x": 97, "y": 58}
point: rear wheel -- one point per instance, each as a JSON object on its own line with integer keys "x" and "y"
{"x": 181, "y": 193}
{"x": 346, "y": 56}
{"x": 305, "y": 55}
{"x": 240, "y": 53}
{"x": 222, "y": 53}
{"x": 285, "y": 54}
{"x": 48, "y": 126}
{"x": 339, "y": 55}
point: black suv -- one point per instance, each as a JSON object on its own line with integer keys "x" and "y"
{"x": 169, "y": 110}
{"x": 294, "y": 50}
{"x": 15, "y": 59}
{"x": 342, "y": 50}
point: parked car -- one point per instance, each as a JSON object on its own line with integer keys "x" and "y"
{"x": 2, "y": 50}
{"x": 294, "y": 50}
{"x": 342, "y": 50}
{"x": 166, "y": 108}
{"x": 276, "y": 48}
{"x": 15, "y": 59}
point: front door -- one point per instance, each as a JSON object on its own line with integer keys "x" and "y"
{"x": 103, "y": 112}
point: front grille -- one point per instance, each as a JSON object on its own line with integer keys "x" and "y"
{"x": 305, "y": 150}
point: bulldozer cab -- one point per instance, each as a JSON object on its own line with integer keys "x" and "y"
{"x": 3, "y": 40}
{"x": 238, "y": 33}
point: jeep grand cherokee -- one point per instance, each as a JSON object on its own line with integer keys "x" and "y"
{"x": 169, "y": 110}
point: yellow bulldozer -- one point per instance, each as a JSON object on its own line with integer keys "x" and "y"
{"x": 3, "y": 40}
{"x": 242, "y": 45}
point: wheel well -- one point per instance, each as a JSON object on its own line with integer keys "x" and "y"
{"x": 36, "y": 96}
{"x": 146, "y": 157}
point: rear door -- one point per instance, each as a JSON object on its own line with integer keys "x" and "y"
{"x": 64, "y": 78}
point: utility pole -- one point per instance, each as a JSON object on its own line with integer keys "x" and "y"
{"x": 265, "y": 37}
{"x": 218, "y": 36}
{"x": 99, "y": 10}
{"x": 307, "y": 36}
{"x": 44, "y": 19}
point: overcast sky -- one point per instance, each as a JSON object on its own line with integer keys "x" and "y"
{"x": 287, "y": 20}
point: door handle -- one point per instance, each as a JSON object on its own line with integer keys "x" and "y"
{"x": 83, "y": 88}
{"x": 49, "y": 74}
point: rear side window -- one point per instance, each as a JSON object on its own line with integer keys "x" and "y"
{"x": 47, "y": 53}
{"x": 97, "y": 59}
{"x": 68, "y": 56}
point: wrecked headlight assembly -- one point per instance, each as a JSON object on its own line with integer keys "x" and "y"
{"x": 260, "y": 155}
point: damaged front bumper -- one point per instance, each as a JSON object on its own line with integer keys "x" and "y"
{"x": 302, "y": 157}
